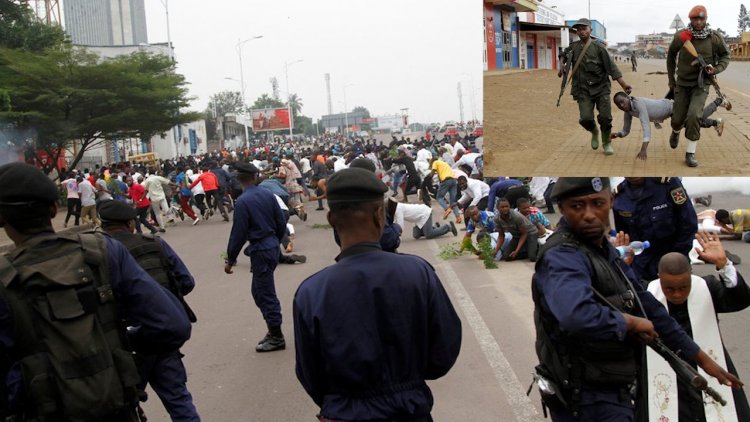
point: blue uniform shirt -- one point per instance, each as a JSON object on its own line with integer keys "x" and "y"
{"x": 563, "y": 280}
{"x": 369, "y": 331}
{"x": 499, "y": 189}
{"x": 661, "y": 213}
{"x": 257, "y": 219}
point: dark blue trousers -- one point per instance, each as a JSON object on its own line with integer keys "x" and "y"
{"x": 262, "y": 265}
{"x": 167, "y": 376}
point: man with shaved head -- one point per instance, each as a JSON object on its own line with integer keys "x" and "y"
{"x": 694, "y": 302}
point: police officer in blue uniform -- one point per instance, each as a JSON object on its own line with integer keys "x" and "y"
{"x": 258, "y": 219}
{"x": 165, "y": 372}
{"x": 370, "y": 329}
{"x": 591, "y": 313}
{"x": 28, "y": 202}
{"x": 657, "y": 210}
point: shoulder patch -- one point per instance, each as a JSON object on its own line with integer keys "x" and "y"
{"x": 679, "y": 196}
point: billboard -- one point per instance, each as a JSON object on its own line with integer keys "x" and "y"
{"x": 270, "y": 119}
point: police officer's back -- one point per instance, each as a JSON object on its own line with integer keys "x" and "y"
{"x": 370, "y": 329}
{"x": 85, "y": 281}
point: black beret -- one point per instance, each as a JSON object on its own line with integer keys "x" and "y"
{"x": 578, "y": 186}
{"x": 354, "y": 185}
{"x": 363, "y": 163}
{"x": 21, "y": 183}
{"x": 246, "y": 168}
{"x": 116, "y": 211}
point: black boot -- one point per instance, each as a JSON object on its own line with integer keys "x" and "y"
{"x": 674, "y": 139}
{"x": 274, "y": 340}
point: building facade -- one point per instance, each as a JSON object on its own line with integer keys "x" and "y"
{"x": 105, "y": 22}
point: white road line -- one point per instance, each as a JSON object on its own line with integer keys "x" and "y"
{"x": 523, "y": 410}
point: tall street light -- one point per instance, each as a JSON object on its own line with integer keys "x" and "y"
{"x": 289, "y": 95}
{"x": 346, "y": 112}
{"x": 239, "y": 45}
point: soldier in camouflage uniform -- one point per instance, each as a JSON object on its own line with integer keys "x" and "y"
{"x": 689, "y": 93}
{"x": 591, "y": 85}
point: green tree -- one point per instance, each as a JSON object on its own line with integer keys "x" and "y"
{"x": 68, "y": 95}
{"x": 225, "y": 102}
{"x": 295, "y": 103}
{"x": 20, "y": 29}
{"x": 743, "y": 21}
{"x": 366, "y": 112}
{"x": 265, "y": 101}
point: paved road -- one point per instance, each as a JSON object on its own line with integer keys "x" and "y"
{"x": 230, "y": 382}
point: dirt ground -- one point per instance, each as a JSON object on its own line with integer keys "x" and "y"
{"x": 527, "y": 135}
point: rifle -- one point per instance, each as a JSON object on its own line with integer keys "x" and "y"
{"x": 567, "y": 60}
{"x": 684, "y": 371}
{"x": 681, "y": 368}
{"x": 686, "y": 38}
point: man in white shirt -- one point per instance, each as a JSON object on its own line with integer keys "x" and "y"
{"x": 423, "y": 154}
{"x": 456, "y": 144}
{"x": 421, "y": 216}
{"x": 87, "y": 192}
{"x": 154, "y": 185}
{"x": 473, "y": 190}
{"x": 467, "y": 159}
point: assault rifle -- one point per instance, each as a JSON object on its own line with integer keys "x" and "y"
{"x": 684, "y": 371}
{"x": 567, "y": 60}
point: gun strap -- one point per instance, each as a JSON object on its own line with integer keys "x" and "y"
{"x": 580, "y": 59}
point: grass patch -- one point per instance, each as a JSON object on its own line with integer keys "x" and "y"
{"x": 451, "y": 251}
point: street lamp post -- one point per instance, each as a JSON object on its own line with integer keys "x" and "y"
{"x": 289, "y": 95}
{"x": 239, "y": 45}
{"x": 247, "y": 132}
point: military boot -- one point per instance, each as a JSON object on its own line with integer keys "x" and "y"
{"x": 607, "y": 143}
{"x": 674, "y": 139}
{"x": 595, "y": 138}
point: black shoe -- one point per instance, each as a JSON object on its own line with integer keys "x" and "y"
{"x": 690, "y": 159}
{"x": 162, "y": 230}
{"x": 298, "y": 258}
{"x": 271, "y": 343}
{"x": 453, "y": 229}
{"x": 736, "y": 260}
{"x": 265, "y": 338}
{"x": 674, "y": 140}
{"x": 225, "y": 216}
{"x": 319, "y": 209}
{"x": 709, "y": 198}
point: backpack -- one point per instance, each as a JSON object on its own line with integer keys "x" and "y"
{"x": 149, "y": 254}
{"x": 70, "y": 342}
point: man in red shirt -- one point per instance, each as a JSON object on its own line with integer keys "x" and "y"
{"x": 211, "y": 186}
{"x": 142, "y": 205}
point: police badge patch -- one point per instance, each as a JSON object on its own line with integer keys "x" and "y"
{"x": 678, "y": 195}
{"x": 597, "y": 184}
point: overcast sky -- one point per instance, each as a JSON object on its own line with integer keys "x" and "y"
{"x": 390, "y": 54}
{"x": 624, "y": 19}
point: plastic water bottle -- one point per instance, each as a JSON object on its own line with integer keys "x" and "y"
{"x": 637, "y": 246}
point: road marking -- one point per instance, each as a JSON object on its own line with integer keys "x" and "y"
{"x": 520, "y": 403}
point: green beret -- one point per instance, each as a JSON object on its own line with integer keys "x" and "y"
{"x": 116, "y": 211}
{"x": 578, "y": 186}
{"x": 582, "y": 22}
{"x": 23, "y": 184}
{"x": 363, "y": 163}
{"x": 354, "y": 185}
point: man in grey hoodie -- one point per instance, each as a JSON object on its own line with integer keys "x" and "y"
{"x": 657, "y": 110}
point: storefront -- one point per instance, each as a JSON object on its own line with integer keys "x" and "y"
{"x": 503, "y": 49}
